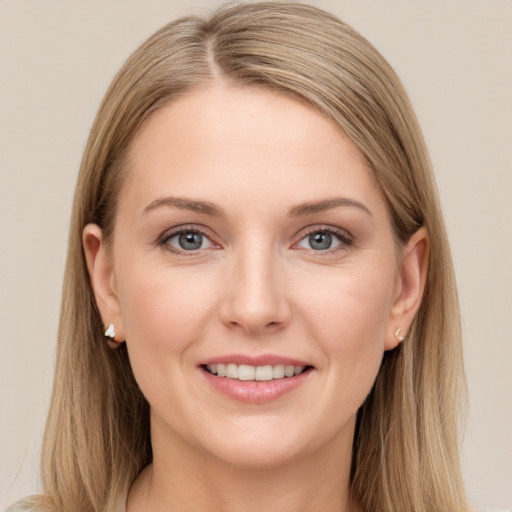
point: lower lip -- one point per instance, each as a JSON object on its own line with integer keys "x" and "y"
{"x": 255, "y": 392}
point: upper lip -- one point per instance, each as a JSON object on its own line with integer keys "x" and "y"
{"x": 260, "y": 360}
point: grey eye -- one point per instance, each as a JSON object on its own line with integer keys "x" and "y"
{"x": 320, "y": 241}
{"x": 189, "y": 241}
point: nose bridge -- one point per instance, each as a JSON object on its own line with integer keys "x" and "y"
{"x": 255, "y": 298}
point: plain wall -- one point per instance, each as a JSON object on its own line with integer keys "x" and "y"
{"x": 56, "y": 61}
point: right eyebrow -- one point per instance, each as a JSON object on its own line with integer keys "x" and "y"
{"x": 203, "y": 207}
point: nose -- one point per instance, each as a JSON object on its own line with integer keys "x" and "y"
{"x": 254, "y": 298}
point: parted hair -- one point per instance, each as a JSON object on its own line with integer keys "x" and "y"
{"x": 405, "y": 453}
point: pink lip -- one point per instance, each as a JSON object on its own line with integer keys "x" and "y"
{"x": 261, "y": 360}
{"x": 255, "y": 392}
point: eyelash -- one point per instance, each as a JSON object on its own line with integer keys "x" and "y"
{"x": 345, "y": 238}
{"x": 163, "y": 240}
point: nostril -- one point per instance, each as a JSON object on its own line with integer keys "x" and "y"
{"x": 254, "y": 301}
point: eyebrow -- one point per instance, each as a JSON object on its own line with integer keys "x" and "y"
{"x": 327, "y": 204}
{"x": 203, "y": 207}
{"x": 207, "y": 208}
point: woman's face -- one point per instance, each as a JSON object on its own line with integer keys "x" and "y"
{"x": 250, "y": 239}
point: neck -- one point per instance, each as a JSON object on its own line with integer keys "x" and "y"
{"x": 184, "y": 480}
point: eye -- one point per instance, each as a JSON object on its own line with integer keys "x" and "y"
{"x": 187, "y": 240}
{"x": 324, "y": 240}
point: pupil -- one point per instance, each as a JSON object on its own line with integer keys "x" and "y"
{"x": 320, "y": 241}
{"x": 191, "y": 241}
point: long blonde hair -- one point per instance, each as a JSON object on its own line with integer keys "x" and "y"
{"x": 405, "y": 456}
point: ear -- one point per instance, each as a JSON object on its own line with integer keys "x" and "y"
{"x": 409, "y": 288}
{"x": 101, "y": 274}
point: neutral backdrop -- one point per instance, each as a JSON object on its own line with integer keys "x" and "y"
{"x": 56, "y": 61}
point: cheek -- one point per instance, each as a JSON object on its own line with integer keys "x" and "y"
{"x": 349, "y": 318}
{"x": 349, "y": 299}
{"x": 164, "y": 313}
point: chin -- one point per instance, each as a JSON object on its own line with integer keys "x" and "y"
{"x": 266, "y": 443}
{"x": 258, "y": 456}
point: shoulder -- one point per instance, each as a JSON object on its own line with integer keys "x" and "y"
{"x": 26, "y": 505}
{"x": 17, "y": 507}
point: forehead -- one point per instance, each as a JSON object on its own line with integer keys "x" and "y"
{"x": 226, "y": 141}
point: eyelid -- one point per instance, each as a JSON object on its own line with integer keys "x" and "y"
{"x": 185, "y": 228}
{"x": 344, "y": 236}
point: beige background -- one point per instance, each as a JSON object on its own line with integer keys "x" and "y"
{"x": 56, "y": 60}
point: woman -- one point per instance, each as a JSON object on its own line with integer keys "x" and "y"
{"x": 259, "y": 305}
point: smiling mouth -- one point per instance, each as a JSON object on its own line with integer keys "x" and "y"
{"x": 245, "y": 372}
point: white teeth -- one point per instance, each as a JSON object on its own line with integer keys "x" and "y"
{"x": 232, "y": 371}
{"x": 245, "y": 372}
{"x": 278, "y": 371}
{"x": 264, "y": 373}
{"x": 248, "y": 372}
{"x": 289, "y": 371}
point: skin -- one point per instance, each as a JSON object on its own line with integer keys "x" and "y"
{"x": 255, "y": 287}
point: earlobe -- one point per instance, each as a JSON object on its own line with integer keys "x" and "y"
{"x": 101, "y": 275}
{"x": 410, "y": 287}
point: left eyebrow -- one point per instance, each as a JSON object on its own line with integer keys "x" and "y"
{"x": 326, "y": 204}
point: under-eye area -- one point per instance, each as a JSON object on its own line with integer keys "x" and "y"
{"x": 248, "y": 372}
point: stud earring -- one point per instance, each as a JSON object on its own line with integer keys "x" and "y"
{"x": 398, "y": 335}
{"x": 110, "y": 332}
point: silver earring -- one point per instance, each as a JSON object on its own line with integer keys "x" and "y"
{"x": 110, "y": 332}
{"x": 398, "y": 336}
